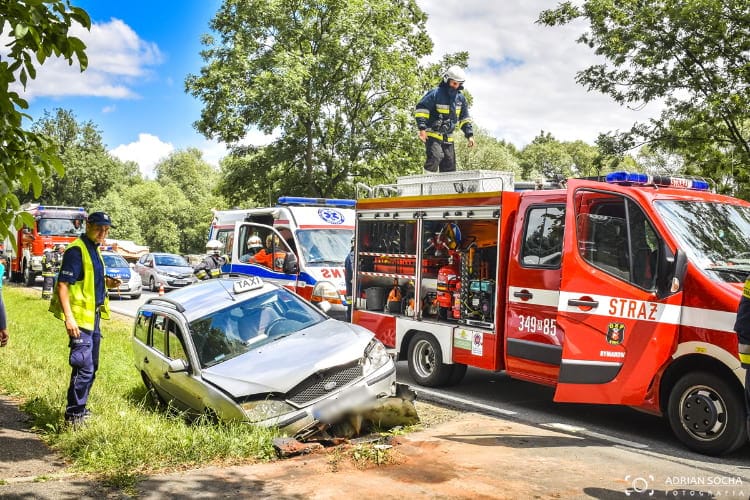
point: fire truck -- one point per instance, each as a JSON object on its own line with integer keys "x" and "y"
{"x": 621, "y": 290}
{"x": 52, "y": 225}
{"x": 310, "y": 238}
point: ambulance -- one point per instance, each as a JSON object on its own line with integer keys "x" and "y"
{"x": 620, "y": 290}
{"x": 309, "y": 239}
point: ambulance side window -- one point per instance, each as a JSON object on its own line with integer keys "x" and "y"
{"x": 543, "y": 236}
{"x": 615, "y": 236}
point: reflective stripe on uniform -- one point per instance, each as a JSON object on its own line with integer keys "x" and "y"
{"x": 422, "y": 113}
{"x": 440, "y": 137}
{"x": 746, "y": 290}
{"x": 464, "y": 122}
{"x": 443, "y": 109}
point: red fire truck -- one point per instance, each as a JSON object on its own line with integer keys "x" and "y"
{"x": 621, "y": 291}
{"x": 52, "y": 225}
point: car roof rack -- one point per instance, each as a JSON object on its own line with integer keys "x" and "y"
{"x": 155, "y": 300}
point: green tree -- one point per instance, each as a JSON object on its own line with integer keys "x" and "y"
{"x": 691, "y": 54}
{"x": 489, "y": 153}
{"x": 34, "y": 31}
{"x": 335, "y": 80}
{"x": 90, "y": 171}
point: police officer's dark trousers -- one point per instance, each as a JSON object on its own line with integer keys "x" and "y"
{"x": 440, "y": 155}
{"x": 84, "y": 361}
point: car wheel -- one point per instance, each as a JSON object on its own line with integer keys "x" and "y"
{"x": 151, "y": 393}
{"x": 707, "y": 414}
{"x": 426, "y": 361}
{"x": 152, "y": 284}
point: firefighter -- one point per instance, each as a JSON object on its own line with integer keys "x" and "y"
{"x": 438, "y": 114}
{"x": 211, "y": 265}
{"x": 254, "y": 245}
{"x": 742, "y": 327}
{"x": 51, "y": 261}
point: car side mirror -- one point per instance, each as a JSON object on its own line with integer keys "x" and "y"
{"x": 672, "y": 269}
{"x": 177, "y": 365}
{"x": 291, "y": 266}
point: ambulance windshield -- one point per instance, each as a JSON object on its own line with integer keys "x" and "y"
{"x": 324, "y": 246}
{"x": 714, "y": 235}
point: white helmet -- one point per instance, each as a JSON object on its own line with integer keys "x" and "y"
{"x": 214, "y": 246}
{"x": 454, "y": 73}
{"x": 254, "y": 241}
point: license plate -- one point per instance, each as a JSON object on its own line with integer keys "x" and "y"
{"x": 180, "y": 282}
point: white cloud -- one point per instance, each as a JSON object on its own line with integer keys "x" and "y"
{"x": 521, "y": 74}
{"x": 146, "y": 152}
{"x": 118, "y": 58}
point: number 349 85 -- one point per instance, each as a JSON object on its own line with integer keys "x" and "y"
{"x": 532, "y": 324}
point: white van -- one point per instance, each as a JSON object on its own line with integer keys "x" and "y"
{"x": 318, "y": 232}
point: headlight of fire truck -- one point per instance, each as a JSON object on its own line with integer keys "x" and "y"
{"x": 325, "y": 291}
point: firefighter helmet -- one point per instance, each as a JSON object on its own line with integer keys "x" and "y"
{"x": 254, "y": 242}
{"x": 60, "y": 247}
{"x": 214, "y": 247}
{"x": 455, "y": 73}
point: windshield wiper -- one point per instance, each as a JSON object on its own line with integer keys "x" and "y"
{"x": 326, "y": 261}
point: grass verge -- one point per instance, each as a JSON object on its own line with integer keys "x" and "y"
{"x": 127, "y": 436}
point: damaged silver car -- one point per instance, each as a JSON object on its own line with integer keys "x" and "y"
{"x": 239, "y": 348}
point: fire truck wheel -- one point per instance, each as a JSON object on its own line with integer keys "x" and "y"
{"x": 426, "y": 361}
{"x": 707, "y": 414}
{"x": 29, "y": 277}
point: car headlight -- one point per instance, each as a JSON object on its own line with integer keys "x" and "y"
{"x": 375, "y": 356}
{"x": 325, "y": 291}
{"x": 264, "y": 409}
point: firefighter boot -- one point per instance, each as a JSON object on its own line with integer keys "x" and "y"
{"x": 47, "y": 287}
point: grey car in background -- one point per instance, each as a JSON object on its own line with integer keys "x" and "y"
{"x": 237, "y": 348}
{"x": 168, "y": 269}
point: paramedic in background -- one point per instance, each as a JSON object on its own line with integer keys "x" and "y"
{"x": 3, "y": 317}
{"x": 348, "y": 277}
{"x": 742, "y": 327}
{"x": 441, "y": 111}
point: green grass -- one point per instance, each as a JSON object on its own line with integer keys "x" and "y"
{"x": 128, "y": 436}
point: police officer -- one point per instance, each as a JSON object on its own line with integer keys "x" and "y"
{"x": 51, "y": 261}
{"x": 211, "y": 265}
{"x": 439, "y": 113}
{"x": 80, "y": 300}
{"x": 742, "y": 327}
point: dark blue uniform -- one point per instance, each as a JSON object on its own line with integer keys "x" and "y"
{"x": 84, "y": 350}
{"x": 742, "y": 327}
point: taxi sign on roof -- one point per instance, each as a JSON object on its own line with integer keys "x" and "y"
{"x": 247, "y": 284}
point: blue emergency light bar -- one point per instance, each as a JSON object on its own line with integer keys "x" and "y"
{"x": 656, "y": 180}
{"x": 331, "y": 202}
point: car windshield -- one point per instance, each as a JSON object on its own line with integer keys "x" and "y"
{"x": 250, "y": 324}
{"x": 170, "y": 260}
{"x": 714, "y": 236}
{"x": 61, "y": 227}
{"x": 114, "y": 260}
{"x": 325, "y": 246}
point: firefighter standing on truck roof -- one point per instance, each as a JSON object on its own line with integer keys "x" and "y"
{"x": 438, "y": 114}
{"x": 211, "y": 265}
{"x": 742, "y": 327}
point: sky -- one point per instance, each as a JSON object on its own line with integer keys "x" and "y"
{"x": 521, "y": 75}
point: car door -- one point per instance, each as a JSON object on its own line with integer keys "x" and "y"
{"x": 169, "y": 344}
{"x": 617, "y": 332}
{"x": 275, "y": 270}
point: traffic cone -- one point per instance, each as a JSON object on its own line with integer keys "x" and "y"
{"x": 161, "y": 289}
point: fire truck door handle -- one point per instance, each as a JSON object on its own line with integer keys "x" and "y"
{"x": 526, "y": 295}
{"x": 583, "y": 303}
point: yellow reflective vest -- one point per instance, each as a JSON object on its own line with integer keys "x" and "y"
{"x": 82, "y": 293}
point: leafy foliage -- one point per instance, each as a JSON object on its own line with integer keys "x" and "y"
{"x": 691, "y": 54}
{"x": 335, "y": 80}
{"x": 36, "y": 31}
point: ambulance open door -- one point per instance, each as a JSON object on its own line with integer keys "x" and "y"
{"x": 617, "y": 332}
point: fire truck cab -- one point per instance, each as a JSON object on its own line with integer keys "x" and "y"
{"x": 308, "y": 239}
{"x": 621, "y": 291}
{"x": 53, "y": 225}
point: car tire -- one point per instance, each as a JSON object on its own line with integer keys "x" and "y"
{"x": 707, "y": 413}
{"x": 151, "y": 393}
{"x": 426, "y": 361}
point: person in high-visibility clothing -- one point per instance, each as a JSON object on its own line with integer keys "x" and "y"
{"x": 438, "y": 114}
{"x": 80, "y": 300}
{"x": 210, "y": 267}
{"x": 272, "y": 255}
{"x": 742, "y": 327}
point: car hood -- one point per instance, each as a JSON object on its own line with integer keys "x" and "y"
{"x": 122, "y": 273}
{"x": 281, "y": 365}
{"x": 175, "y": 269}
